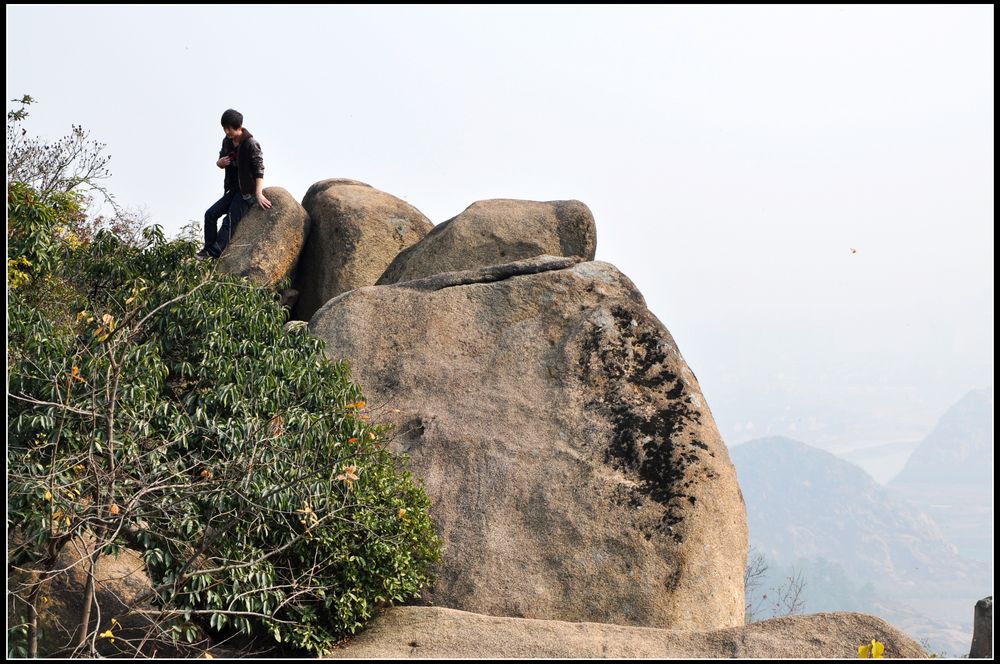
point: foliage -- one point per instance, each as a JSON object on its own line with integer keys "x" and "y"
{"x": 158, "y": 405}
{"x": 47, "y": 203}
{"x": 39, "y": 231}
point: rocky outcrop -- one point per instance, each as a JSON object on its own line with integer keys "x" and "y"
{"x": 357, "y": 231}
{"x": 431, "y": 632}
{"x": 982, "y": 635}
{"x": 498, "y": 231}
{"x": 574, "y": 468}
{"x": 267, "y": 243}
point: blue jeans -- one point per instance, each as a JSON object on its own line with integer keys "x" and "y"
{"x": 234, "y": 207}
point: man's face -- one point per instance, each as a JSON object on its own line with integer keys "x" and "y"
{"x": 232, "y": 133}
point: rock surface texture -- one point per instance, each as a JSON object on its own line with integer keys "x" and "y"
{"x": 356, "y": 232}
{"x": 574, "y": 468}
{"x": 982, "y": 635}
{"x": 417, "y": 631}
{"x": 119, "y": 581}
{"x": 495, "y": 232}
{"x": 267, "y": 243}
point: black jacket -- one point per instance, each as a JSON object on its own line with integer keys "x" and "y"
{"x": 241, "y": 176}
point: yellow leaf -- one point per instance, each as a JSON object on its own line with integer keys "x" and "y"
{"x": 349, "y": 475}
{"x": 878, "y": 649}
{"x": 359, "y": 404}
{"x": 48, "y": 495}
{"x": 115, "y": 509}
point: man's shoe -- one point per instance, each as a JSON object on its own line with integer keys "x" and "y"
{"x": 203, "y": 255}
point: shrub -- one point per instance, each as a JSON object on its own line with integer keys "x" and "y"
{"x": 175, "y": 413}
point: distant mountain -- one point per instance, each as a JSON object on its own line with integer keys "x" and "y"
{"x": 959, "y": 450}
{"x": 949, "y": 475}
{"x": 805, "y": 503}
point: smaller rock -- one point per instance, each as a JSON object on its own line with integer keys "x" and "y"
{"x": 982, "y": 630}
{"x": 267, "y": 243}
{"x": 119, "y": 581}
{"x": 356, "y": 232}
{"x": 495, "y": 232}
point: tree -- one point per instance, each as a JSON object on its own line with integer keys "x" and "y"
{"x": 70, "y": 162}
{"x": 49, "y": 189}
{"x": 786, "y": 599}
{"x": 168, "y": 409}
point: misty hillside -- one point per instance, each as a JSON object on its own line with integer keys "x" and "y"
{"x": 949, "y": 475}
{"x": 960, "y": 448}
{"x": 805, "y": 504}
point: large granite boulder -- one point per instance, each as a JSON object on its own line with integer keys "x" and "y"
{"x": 356, "y": 232}
{"x": 495, "y": 232}
{"x": 266, "y": 244}
{"x": 574, "y": 468}
{"x": 432, "y": 632}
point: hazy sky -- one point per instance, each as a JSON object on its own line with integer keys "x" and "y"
{"x": 732, "y": 157}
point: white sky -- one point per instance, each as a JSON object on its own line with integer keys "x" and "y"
{"x": 732, "y": 157}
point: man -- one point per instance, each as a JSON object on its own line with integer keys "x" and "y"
{"x": 243, "y": 160}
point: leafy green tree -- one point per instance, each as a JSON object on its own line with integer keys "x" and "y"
{"x": 49, "y": 191}
{"x": 169, "y": 409}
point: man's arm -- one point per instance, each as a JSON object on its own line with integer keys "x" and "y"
{"x": 257, "y": 159}
{"x": 261, "y": 198}
{"x": 224, "y": 159}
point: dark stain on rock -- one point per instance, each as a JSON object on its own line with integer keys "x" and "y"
{"x": 628, "y": 368}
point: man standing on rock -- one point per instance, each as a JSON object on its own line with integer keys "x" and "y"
{"x": 243, "y": 160}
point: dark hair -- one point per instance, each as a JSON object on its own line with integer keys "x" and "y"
{"x": 232, "y": 119}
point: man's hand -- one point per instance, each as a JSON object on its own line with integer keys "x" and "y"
{"x": 262, "y": 200}
{"x": 225, "y": 161}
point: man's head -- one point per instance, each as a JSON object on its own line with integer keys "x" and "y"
{"x": 232, "y": 119}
